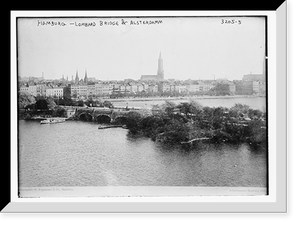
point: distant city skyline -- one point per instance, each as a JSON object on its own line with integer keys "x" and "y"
{"x": 192, "y": 48}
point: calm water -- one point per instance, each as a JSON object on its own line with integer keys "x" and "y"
{"x": 77, "y": 153}
{"x": 253, "y": 102}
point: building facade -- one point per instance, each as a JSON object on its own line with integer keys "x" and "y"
{"x": 54, "y": 92}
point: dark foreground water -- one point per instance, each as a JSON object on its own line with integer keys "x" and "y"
{"x": 77, "y": 153}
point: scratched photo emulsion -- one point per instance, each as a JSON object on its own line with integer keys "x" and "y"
{"x": 142, "y": 106}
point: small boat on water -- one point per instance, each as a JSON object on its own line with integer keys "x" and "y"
{"x": 53, "y": 121}
{"x": 112, "y": 126}
{"x": 108, "y": 126}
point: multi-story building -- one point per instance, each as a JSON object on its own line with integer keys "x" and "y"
{"x": 258, "y": 82}
{"x": 180, "y": 88}
{"x": 145, "y": 87}
{"x": 140, "y": 87}
{"x": 193, "y": 88}
{"x": 98, "y": 89}
{"x": 134, "y": 87}
{"x": 164, "y": 87}
{"x": 32, "y": 89}
{"x": 104, "y": 89}
{"x": 54, "y": 92}
{"x": 205, "y": 86}
{"x": 24, "y": 89}
{"x": 74, "y": 90}
{"x": 153, "y": 88}
{"x": 172, "y": 87}
{"x": 232, "y": 88}
{"x": 262, "y": 88}
{"x": 127, "y": 88}
{"x": 259, "y": 87}
{"x": 41, "y": 90}
{"x": 107, "y": 89}
{"x": 83, "y": 90}
{"x": 91, "y": 89}
{"x": 255, "y": 87}
{"x": 122, "y": 88}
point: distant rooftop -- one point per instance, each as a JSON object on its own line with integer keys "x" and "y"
{"x": 149, "y": 77}
{"x": 254, "y": 77}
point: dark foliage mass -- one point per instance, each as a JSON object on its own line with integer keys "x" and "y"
{"x": 190, "y": 123}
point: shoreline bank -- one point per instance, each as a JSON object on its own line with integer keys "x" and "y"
{"x": 180, "y": 98}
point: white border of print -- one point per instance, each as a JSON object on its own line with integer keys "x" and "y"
{"x": 271, "y": 109}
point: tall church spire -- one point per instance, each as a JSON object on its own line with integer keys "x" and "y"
{"x": 160, "y": 70}
{"x": 85, "y": 77}
{"x": 76, "y": 77}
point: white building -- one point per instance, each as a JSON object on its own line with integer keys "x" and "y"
{"x": 140, "y": 87}
{"x": 193, "y": 88}
{"x": 54, "y": 92}
{"x": 74, "y": 90}
{"x": 134, "y": 88}
{"x": 33, "y": 90}
{"x": 29, "y": 89}
{"x": 83, "y": 90}
{"x": 24, "y": 89}
{"x": 205, "y": 86}
{"x": 146, "y": 87}
{"x": 256, "y": 87}
{"x": 180, "y": 88}
{"x": 103, "y": 89}
{"x": 259, "y": 87}
{"x": 41, "y": 90}
{"x": 153, "y": 88}
{"x": 165, "y": 87}
{"x": 91, "y": 89}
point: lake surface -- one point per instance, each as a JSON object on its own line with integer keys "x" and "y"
{"x": 76, "y": 153}
{"x": 253, "y": 102}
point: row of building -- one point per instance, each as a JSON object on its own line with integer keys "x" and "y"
{"x": 249, "y": 85}
{"x": 150, "y": 84}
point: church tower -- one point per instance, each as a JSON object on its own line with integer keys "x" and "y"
{"x": 160, "y": 70}
{"x": 85, "y": 77}
{"x": 76, "y": 77}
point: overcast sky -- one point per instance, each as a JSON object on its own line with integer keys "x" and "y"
{"x": 195, "y": 48}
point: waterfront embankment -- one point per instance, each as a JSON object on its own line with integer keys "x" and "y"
{"x": 182, "y": 98}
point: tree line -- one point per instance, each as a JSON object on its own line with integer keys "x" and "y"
{"x": 190, "y": 123}
{"x": 30, "y": 105}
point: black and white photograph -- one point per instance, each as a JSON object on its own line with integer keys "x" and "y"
{"x": 142, "y": 106}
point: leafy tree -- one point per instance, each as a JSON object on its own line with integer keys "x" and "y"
{"x": 108, "y": 104}
{"x": 133, "y": 119}
{"x": 25, "y": 99}
{"x": 167, "y": 108}
{"x": 188, "y": 109}
{"x": 238, "y": 109}
{"x": 59, "y": 112}
{"x": 50, "y": 103}
{"x": 41, "y": 104}
{"x": 254, "y": 114}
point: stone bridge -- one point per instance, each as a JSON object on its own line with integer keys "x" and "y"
{"x": 105, "y": 115}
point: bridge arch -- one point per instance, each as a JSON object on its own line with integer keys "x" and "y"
{"x": 102, "y": 118}
{"x": 121, "y": 120}
{"x": 85, "y": 117}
